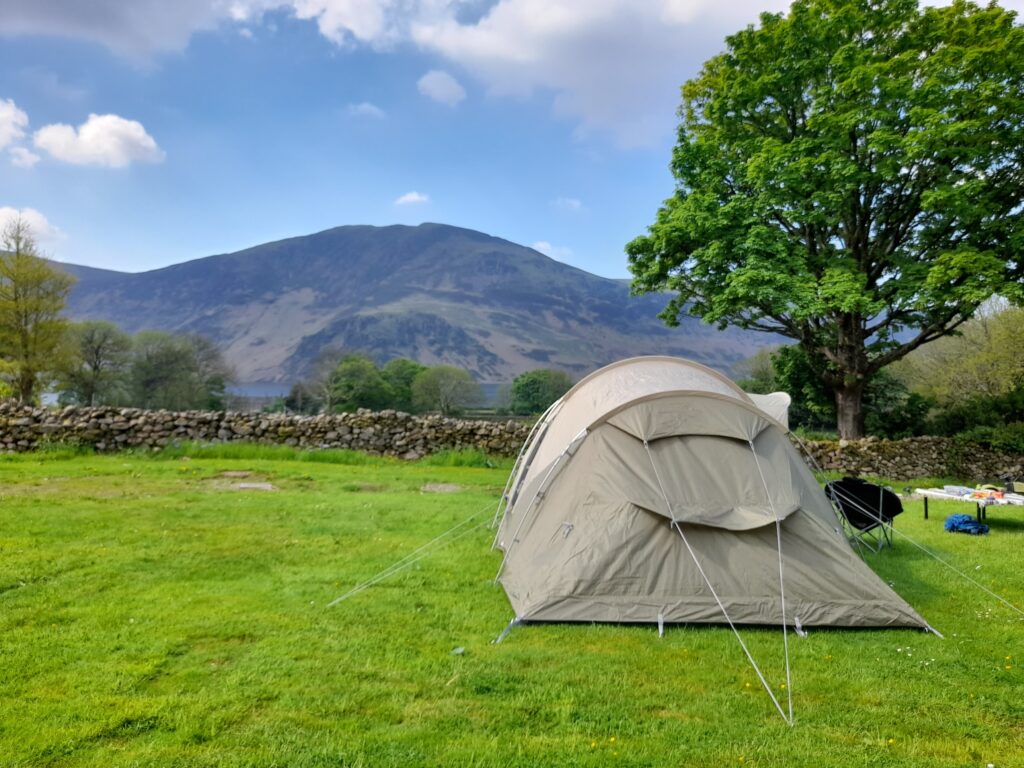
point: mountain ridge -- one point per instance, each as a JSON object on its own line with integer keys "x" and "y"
{"x": 434, "y": 292}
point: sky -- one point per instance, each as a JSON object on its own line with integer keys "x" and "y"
{"x": 139, "y": 134}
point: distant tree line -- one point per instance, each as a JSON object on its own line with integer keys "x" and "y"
{"x": 102, "y": 365}
{"x": 346, "y": 382}
{"x": 94, "y": 362}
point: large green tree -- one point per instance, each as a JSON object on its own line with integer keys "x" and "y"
{"x": 32, "y": 296}
{"x": 96, "y": 368}
{"x": 176, "y": 372}
{"x": 534, "y": 391}
{"x": 399, "y": 373}
{"x": 849, "y": 175}
{"x": 446, "y": 389}
{"x": 358, "y": 383}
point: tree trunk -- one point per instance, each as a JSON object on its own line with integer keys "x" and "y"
{"x": 850, "y": 411}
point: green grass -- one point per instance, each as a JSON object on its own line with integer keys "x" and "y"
{"x": 153, "y": 614}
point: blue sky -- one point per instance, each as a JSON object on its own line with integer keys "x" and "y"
{"x": 139, "y": 134}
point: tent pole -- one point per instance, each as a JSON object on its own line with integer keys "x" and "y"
{"x": 509, "y": 491}
{"x": 567, "y": 451}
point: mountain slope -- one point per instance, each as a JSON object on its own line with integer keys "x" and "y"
{"x": 436, "y": 293}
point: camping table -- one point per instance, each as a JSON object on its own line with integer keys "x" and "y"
{"x": 980, "y": 505}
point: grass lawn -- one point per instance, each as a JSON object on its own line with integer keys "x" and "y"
{"x": 152, "y": 613}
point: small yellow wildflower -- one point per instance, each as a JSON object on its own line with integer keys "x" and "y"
{"x": 891, "y": 742}
{"x": 611, "y": 740}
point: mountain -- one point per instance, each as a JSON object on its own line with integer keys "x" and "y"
{"x": 436, "y": 293}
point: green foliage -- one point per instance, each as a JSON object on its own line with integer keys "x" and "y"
{"x": 32, "y": 296}
{"x": 95, "y": 371}
{"x": 155, "y": 615}
{"x": 303, "y": 397}
{"x": 813, "y": 402}
{"x": 891, "y": 409}
{"x": 446, "y": 389}
{"x": 1008, "y": 437}
{"x": 348, "y": 382}
{"x": 533, "y": 391}
{"x": 984, "y": 359}
{"x": 66, "y": 448}
{"x": 358, "y": 383}
{"x": 756, "y": 374}
{"x": 978, "y": 411}
{"x": 400, "y": 373}
{"x": 176, "y": 372}
{"x": 849, "y": 176}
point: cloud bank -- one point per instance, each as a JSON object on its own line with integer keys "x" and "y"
{"x": 612, "y": 66}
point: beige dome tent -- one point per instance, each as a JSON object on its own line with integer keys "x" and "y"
{"x": 656, "y": 490}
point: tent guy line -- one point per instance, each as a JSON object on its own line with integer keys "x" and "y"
{"x": 725, "y": 613}
{"x": 870, "y": 513}
{"x": 415, "y": 556}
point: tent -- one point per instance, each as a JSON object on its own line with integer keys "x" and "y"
{"x": 656, "y": 490}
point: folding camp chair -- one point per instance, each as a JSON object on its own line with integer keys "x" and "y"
{"x": 867, "y": 511}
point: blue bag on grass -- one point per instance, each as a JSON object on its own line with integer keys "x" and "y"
{"x": 965, "y": 524}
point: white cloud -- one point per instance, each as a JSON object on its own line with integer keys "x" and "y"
{"x": 366, "y": 109}
{"x": 42, "y": 230}
{"x": 559, "y": 252}
{"x": 412, "y": 198}
{"x": 441, "y": 87}
{"x": 13, "y": 122}
{"x": 22, "y": 157}
{"x": 106, "y": 140}
{"x": 613, "y": 66}
{"x": 570, "y": 204}
{"x": 137, "y": 28}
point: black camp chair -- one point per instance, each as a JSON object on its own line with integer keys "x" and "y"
{"x": 867, "y": 510}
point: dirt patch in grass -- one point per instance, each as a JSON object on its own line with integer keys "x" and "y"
{"x": 441, "y": 488}
{"x": 250, "y": 481}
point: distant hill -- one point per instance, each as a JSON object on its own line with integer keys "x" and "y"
{"x": 436, "y": 293}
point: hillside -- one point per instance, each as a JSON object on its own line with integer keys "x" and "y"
{"x": 436, "y": 293}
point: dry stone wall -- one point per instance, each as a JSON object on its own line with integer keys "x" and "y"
{"x": 914, "y": 457}
{"x": 387, "y": 433}
{"x": 392, "y": 433}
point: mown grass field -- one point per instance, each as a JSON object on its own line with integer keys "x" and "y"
{"x": 153, "y": 614}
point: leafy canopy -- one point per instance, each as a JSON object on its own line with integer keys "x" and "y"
{"x": 96, "y": 368}
{"x": 32, "y": 296}
{"x": 446, "y": 389}
{"x": 849, "y": 175}
{"x": 534, "y": 391}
